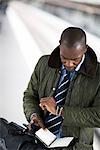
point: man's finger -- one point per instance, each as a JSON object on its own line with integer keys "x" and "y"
{"x": 40, "y": 123}
{"x": 42, "y": 106}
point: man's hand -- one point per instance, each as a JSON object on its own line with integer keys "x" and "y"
{"x": 49, "y": 104}
{"x": 36, "y": 120}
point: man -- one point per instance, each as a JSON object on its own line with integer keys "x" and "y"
{"x": 78, "y": 109}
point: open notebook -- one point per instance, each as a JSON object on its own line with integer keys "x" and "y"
{"x": 50, "y": 140}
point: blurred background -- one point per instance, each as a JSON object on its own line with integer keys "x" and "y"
{"x": 30, "y": 29}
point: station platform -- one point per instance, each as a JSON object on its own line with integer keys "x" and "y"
{"x": 26, "y": 34}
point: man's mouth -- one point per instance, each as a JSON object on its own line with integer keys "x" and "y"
{"x": 70, "y": 69}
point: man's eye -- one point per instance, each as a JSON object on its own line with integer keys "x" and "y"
{"x": 77, "y": 59}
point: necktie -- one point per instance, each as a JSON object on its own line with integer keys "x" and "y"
{"x": 53, "y": 122}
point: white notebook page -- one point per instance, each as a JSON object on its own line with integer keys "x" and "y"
{"x": 61, "y": 142}
{"x": 45, "y": 136}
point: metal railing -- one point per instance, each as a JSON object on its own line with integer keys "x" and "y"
{"x": 82, "y": 6}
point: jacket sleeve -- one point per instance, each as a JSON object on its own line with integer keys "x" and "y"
{"x": 83, "y": 117}
{"x": 31, "y": 97}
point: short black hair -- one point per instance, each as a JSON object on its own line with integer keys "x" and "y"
{"x": 73, "y": 36}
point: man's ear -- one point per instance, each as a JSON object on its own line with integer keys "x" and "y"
{"x": 86, "y": 49}
{"x": 59, "y": 41}
{"x": 87, "y": 46}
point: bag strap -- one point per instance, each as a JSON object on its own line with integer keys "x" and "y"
{"x": 2, "y": 144}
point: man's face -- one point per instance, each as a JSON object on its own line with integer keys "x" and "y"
{"x": 71, "y": 57}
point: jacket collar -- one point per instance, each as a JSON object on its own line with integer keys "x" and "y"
{"x": 88, "y": 67}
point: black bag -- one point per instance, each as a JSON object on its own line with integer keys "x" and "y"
{"x": 15, "y": 137}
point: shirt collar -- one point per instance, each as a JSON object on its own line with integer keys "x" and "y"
{"x": 79, "y": 65}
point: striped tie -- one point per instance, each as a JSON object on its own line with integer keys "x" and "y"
{"x": 53, "y": 122}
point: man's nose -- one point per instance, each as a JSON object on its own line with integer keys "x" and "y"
{"x": 69, "y": 63}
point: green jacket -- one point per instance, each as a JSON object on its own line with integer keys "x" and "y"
{"x": 82, "y": 107}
